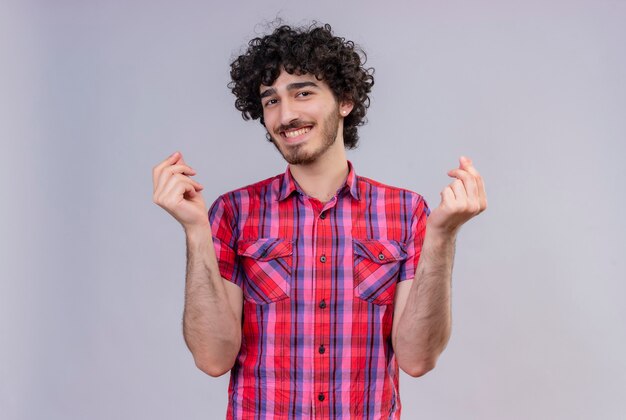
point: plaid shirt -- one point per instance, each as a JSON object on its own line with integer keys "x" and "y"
{"x": 318, "y": 281}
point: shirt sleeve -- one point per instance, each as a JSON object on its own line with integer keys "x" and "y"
{"x": 224, "y": 232}
{"x": 416, "y": 239}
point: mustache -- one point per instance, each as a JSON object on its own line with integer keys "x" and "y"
{"x": 293, "y": 125}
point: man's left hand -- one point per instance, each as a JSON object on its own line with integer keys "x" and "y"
{"x": 463, "y": 199}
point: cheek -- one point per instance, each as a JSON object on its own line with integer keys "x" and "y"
{"x": 267, "y": 120}
{"x": 322, "y": 113}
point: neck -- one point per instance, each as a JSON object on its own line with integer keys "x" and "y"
{"x": 322, "y": 178}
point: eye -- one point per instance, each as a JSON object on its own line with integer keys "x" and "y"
{"x": 304, "y": 93}
{"x": 270, "y": 102}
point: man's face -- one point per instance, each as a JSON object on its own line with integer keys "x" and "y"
{"x": 302, "y": 117}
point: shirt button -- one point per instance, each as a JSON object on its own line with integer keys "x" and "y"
{"x": 322, "y": 215}
{"x": 323, "y": 258}
{"x": 322, "y": 350}
{"x": 320, "y": 396}
{"x": 322, "y": 304}
{"x": 381, "y": 256}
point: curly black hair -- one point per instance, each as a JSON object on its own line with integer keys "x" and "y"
{"x": 306, "y": 50}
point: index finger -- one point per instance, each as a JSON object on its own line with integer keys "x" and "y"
{"x": 156, "y": 171}
{"x": 467, "y": 165}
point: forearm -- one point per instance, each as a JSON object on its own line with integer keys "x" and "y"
{"x": 424, "y": 325}
{"x": 211, "y": 329}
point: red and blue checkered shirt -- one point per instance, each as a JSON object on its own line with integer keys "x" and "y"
{"x": 318, "y": 281}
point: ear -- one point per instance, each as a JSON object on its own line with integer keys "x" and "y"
{"x": 345, "y": 108}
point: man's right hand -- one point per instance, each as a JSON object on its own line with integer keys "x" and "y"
{"x": 178, "y": 194}
{"x": 213, "y": 305}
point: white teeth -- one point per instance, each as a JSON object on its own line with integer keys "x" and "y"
{"x": 291, "y": 134}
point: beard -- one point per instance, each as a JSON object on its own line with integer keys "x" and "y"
{"x": 296, "y": 154}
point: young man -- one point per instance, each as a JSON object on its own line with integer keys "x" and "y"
{"x": 306, "y": 285}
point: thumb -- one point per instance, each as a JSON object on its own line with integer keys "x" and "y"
{"x": 179, "y": 158}
{"x": 464, "y": 162}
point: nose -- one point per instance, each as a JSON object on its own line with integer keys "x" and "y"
{"x": 288, "y": 112}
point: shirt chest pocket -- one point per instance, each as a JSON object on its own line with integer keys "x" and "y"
{"x": 267, "y": 265}
{"x": 377, "y": 265}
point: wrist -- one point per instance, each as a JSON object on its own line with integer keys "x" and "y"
{"x": 440, "y": 234}
{"x": 198, "y": 233}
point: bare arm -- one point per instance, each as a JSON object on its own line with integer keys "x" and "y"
{"x": 213, "y": 305}
{"x": 422, "y": 328}
{"x": 422, "y": 314}
{"x": 213, "y": 308}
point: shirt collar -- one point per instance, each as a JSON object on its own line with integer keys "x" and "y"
{"x": 289, "y": 185}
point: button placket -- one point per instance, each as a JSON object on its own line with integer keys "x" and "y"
{"x": 323, "y": 272}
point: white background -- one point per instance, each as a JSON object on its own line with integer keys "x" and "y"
{"x": 93, "y": 94}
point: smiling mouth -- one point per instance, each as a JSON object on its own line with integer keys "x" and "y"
{"x": 290, "y": 134}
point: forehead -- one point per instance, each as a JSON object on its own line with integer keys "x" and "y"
{"x": 285, "y": 79}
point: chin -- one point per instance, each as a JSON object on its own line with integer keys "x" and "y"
{"x": 297, "y": 154}
{"x": 299, "y": 159}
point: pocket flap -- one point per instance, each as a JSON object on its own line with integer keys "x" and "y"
{"x": 381, "y": 251}
{"x": 265, "y": 249}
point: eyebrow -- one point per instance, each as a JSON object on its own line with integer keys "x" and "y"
{"x": 290, "y": 87}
